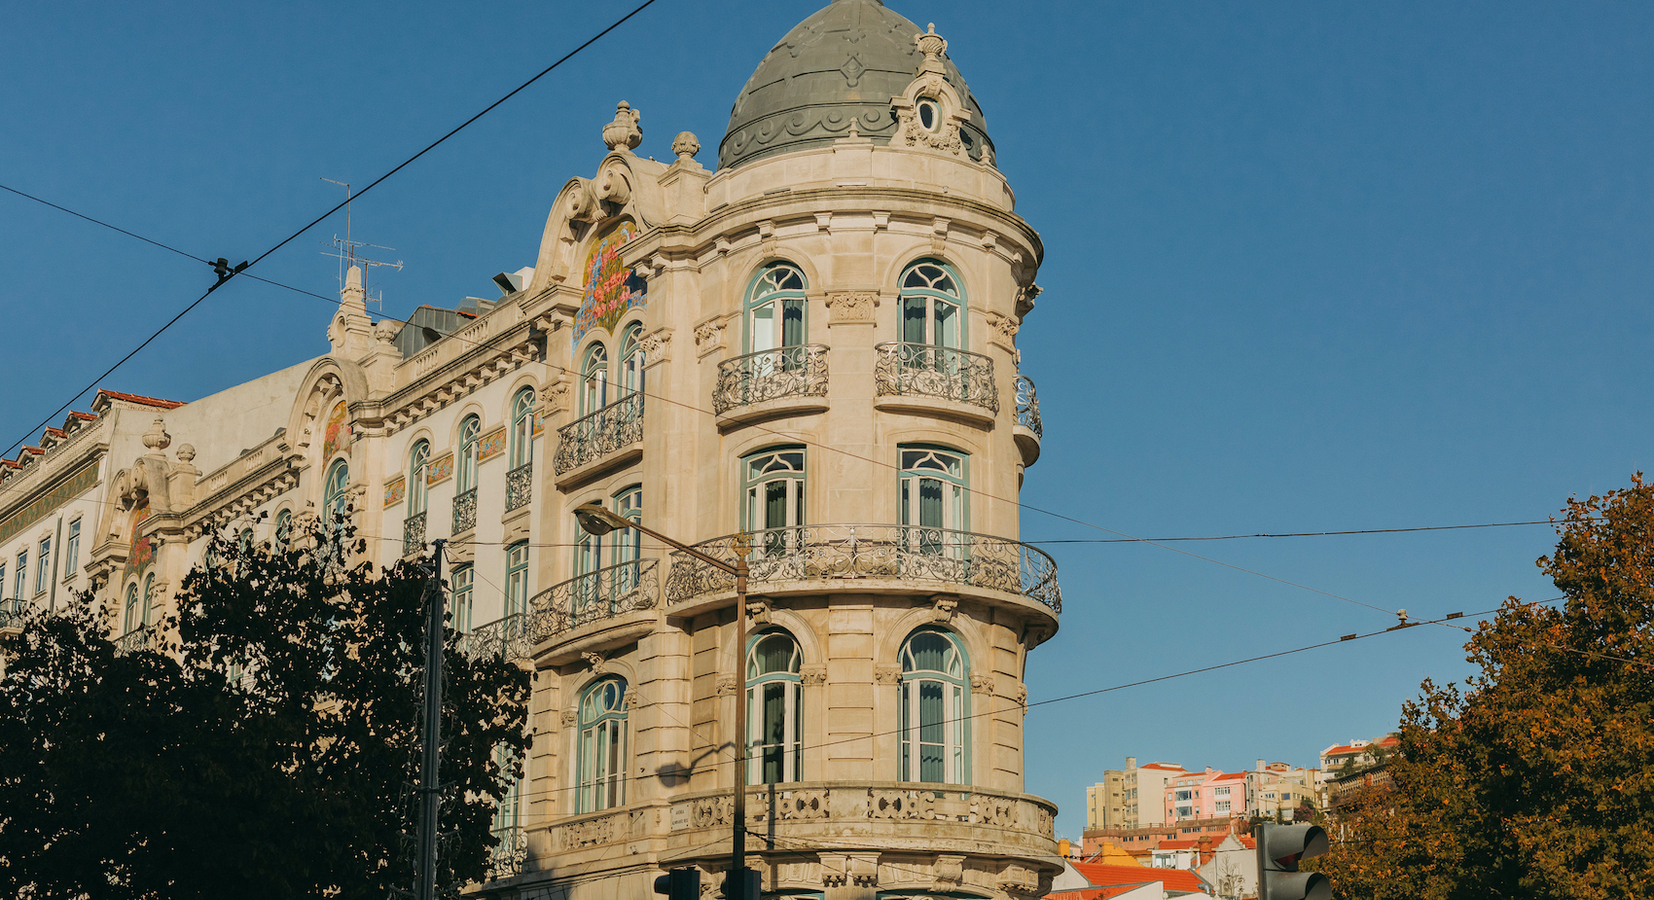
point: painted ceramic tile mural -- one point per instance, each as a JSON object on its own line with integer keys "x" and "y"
{"x": 338, "y": 432}
{"x": 441, "y": 469}
{"x": 491, "y": 445}
{"x": 611, "y": 287}
{"x": 395, "y": 490}
{"x": 142, "y": 552}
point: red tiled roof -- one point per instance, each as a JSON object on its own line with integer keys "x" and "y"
{"x": 1107, "y": 876}
{"x": 35, "y": 450}
{"x": 1167, "y": 766}
{"x": 1230, "y": 776}
{"x": 138, "y": 398}
{"x": 85, "y": 417}
{"x": 11, "y": 463}
{"x": 1178, "y": 845}
{"x": 56, "y": 432}
{"x": 1096, "y": 893}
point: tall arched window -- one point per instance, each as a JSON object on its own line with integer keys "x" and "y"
{"x": 469, "y": 430}
{"x": 631, "y": 359}
{"x": 775, "y": 709}
{"x": 335, "y": 493}
{"x": 132, "y": 621}
{"x": 419, "y": 470}
{"x": 932, "y": 306}
{"x": 284, "y": 529}
{"x": 628, "y": 542}
{"x": 516, "y": 578}
{"x": 522, "y": 428}
{"x": 147, "y": 601}
{"x": 594, "y": 380}
{"x": 933, "y": 499}
{"x": 935, "y": 692}
{"x": 459, "y": 605}
{"x": 773, "y": 484}
{"x": 601, "y": 756}
{"x": 775, "y": 309}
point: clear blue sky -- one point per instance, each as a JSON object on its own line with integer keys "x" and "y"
{"x": 1309, "y": 267}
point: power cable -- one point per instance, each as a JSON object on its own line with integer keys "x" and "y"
{"x": 227, "y": 274}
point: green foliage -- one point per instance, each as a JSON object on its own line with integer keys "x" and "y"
{"x": 266, "y": 748}
{"x": 1536, "y": 780}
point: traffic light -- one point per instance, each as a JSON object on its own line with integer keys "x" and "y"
{"x": 680, "y": 884}
{"x": 1280, "y": 847}
{"x": 741, "y": 884}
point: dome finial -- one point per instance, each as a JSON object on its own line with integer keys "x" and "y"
{"x": 932, "y": 45}
{"x": 623, "y": 132}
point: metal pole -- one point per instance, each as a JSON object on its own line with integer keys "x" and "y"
{"x": 429, "y": 788}
{"x": 738, "y": 849}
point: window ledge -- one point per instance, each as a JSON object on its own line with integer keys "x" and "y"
{"x": 921, "y": 405}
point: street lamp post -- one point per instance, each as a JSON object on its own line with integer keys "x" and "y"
{"x": 597, "y": 522}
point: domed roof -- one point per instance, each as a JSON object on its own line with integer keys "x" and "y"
{"x": 839, "y": 67}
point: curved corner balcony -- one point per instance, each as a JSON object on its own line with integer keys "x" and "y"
{"x": 610, "y": 436}
{"x": 609, "y": 595}
{"x": 770, "y": 383}
{"x": 872, "y": 557}
{"x": 936, "y": 380}
{"x": 133, "y": 641}
{"x": 1028, "y": 429}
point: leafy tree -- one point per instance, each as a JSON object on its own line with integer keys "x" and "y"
{"x": 264, "y": 749}
{"x": 1536, "y": 780}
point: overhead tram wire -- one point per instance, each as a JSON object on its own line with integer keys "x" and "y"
{"x": 224, "y": 279}
{"x": 1349, "y": 638}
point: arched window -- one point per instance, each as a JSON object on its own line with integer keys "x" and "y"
{"x": 522, "y": 428}
{"x": 516, "y": 578}
{"x": 469, "y": 430}
{"x": 594, "y": 380}
{"x": 773, "y": 484}
{"x": 147, "y": 602}
{"x": 933, "y": 499}
{"x": 932, "y": 306}
{"x": 133, "y": 622}
{"x": 774, "y": 314}
{"x": 284, "y": 529}
{"x": 602, "y": 745}
{"x": 243, "y": 544}
{"x": 461, "y": 602}
{"x": 631, "y": 359}
{"x": 628, "y": 542}
{"x": 335, "y": 496}
{"x": 419, "y": 470}
{"x": 934, "y": 697}
{"x": 775, "y": 709}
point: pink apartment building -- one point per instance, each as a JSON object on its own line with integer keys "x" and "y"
{"x": 1205, "y": 795}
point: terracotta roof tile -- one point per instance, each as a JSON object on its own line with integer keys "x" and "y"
{"x": 85, "y": 417}
{"x": 1108, "y": 876}
{"x": 139, "y": 398}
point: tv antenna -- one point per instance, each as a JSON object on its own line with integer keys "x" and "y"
{"x": 345, "y": 249}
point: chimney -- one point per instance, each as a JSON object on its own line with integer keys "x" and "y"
{"x": 1260, "y": 765}
{"x": 1063, "y": 848}
{"x": 1131, "y": 762}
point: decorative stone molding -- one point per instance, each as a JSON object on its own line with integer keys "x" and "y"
{"x": 598, "y": 662}
{"x": 856, "y": 869}
{"x": 623, "y": 133}
{"x": 851, "y": 307}
{"x": 1022, "y": 696}
{"x": 982, "y": 683}
{"x": 887, "y": 674}
{"x": 812, "y": 675}
{"x": 554, "y": 397}
{"x": 709, "y": 338}
{"x": 759, "y": 609}
{"x": 949, "y": 871}
{"x": 1004, "y": 331}
{"x": 657, "y": 347}
{"x": 1025, "y": 299}
{"x": 942, "y": 607}
{"x": 634, "y": 700}
{"x": 569, "y": 717}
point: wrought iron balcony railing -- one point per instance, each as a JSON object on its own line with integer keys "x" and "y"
{"x": 1028, "y": 406}
{"x": 799, "y": 371}
{"x": 510, "y": 854}
{"x": 904, "y": 552}
{"x": 519, "y": 486}
{"x": 927, "y": 370}
{"x": 506, "y": 637}
{"x": 133, "y": 641}
{"x": 604, "y": 594}
{"x": 413, "y": 534}
{"x": 11, "y": 613}
{"x": 465, "y": 511}
{"x": 594, "y": 436}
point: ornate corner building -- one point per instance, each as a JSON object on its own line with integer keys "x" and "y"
{"x": 814, "y": 345}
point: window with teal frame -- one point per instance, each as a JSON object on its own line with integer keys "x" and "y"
{"x": 43, "y": 565}
{"x": 631, "y": 359}
{"x": 628, "y": 542}
{"x": 508, "y": 815}
{"x": 773, "y": 498}
{"x": 522, "y": 428}
{"x": 71, "y": 551}
{"x": 594, "y": 380}
{"x": 335, "y": 501}
{"x": 601, "y": 754}
{"x": 284, "y": 529}
{"x": 932, "y": 306}
{"x": 419, "y": 471}
{"x": 935, "y": 708}
{"x": 22, "y": 575}
{"x": 935, "y": 499}
{"x": 460, "y": 602}
{"x": 466, "y": 476}
{"x": 516, "y": 579}
{"x": 147, "y": 601}
{"x": 775, "y": 709}
{"x": 774, "y": 312}
{"x": 132, "y": 621}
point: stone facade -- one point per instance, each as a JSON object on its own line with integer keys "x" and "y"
{"x": 814, "y": 345}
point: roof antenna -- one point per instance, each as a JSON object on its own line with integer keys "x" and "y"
{"x": 345, "y": 250}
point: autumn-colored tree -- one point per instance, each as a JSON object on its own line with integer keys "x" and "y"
{"x": 1536, "y": 780}
{"x": 263, "y": 749}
